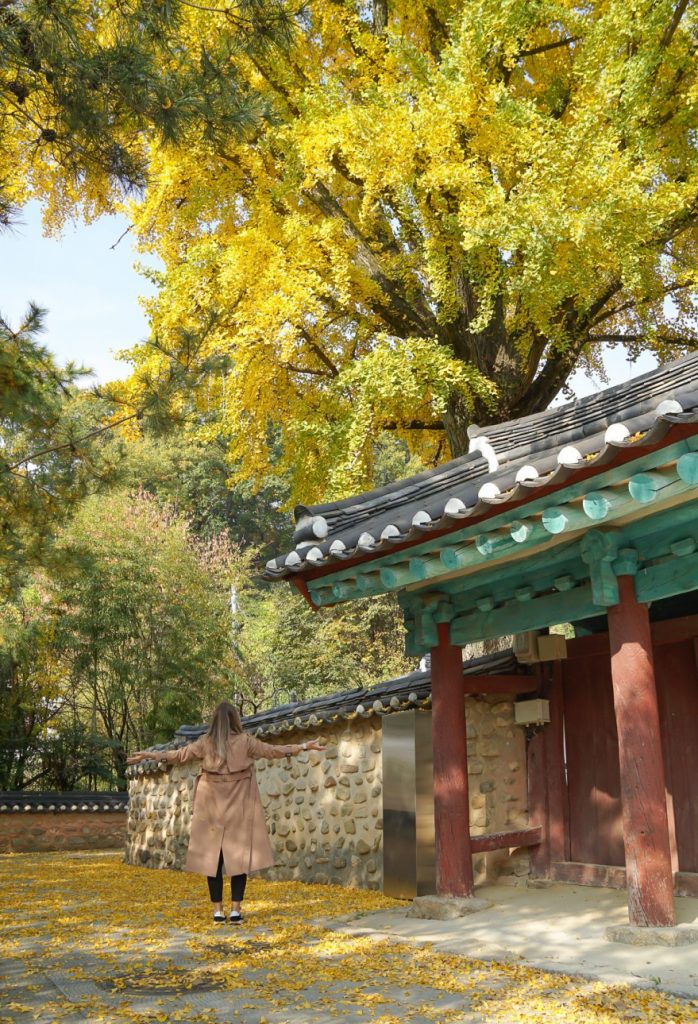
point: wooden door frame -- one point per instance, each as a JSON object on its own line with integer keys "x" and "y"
{"x": 547, "y": 789}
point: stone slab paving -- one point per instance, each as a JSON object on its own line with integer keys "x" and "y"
{"x": 29, "y": 995}
{"x": 557, "y": 928}
{"x": 134, "y": 958}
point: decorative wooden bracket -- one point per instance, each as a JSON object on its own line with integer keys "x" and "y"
{"x": 599, "y": 550}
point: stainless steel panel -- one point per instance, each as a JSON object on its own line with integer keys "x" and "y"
{"x": 408, "y": 805}
{"x": 424, "y": 803}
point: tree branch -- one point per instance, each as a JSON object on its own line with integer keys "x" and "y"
{"x": 69, "y": 444}
{"x": 398, "y": 313}
{"x": 322, "y": 356}
{"x": 678, "y": 14}
{"x": 548, "y": 46}
{"x": 412, "y": 425}
{"x": 305, "y": 369}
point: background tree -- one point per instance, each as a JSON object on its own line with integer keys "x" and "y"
{"x": 192, "y": 475}
{"x": 449, "y": 210}
{"x": 53, "y": 447}
{"x": 144, "y": 626}
{"x": 31, "y": 683}
{"x": 285, "y": 652}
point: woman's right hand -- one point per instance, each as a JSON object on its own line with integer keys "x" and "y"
{"x": 139, "y": 756}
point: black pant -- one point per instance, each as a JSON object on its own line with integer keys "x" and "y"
{"x": 215, "y": 885}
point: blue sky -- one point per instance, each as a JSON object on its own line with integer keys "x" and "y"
{"x": 89, "y": 289}
{"x": 91, "y": 292}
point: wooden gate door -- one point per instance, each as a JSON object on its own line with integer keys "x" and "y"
{"x": 677, "y": 689}
{"x": 591, "y": 784}
{"x": 591, "y": 762}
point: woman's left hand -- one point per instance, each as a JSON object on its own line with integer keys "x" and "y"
{"x": 139, "y": 756}
{"x": 314, "y": 745}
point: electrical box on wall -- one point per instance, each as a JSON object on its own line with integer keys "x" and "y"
{"x": 531, "y": 647}
{"x": 532, "y": 712}
{"x": 552, "y": 647}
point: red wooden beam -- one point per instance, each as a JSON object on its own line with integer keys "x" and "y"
{"x": 300, "y": 585}
{"x": 506, "y": 840}
{"x": 454, "y": 866}
{"x": 500, "y": 684}
{"x": 642, "y": 786}
{"x": 605, "y": 875}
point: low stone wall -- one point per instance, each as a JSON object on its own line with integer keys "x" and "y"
{"x": 324, "y": 808}
{"x": 498, "y": 784}
{"x": 31, "y": 825}
{"x": 325, "y": 812}
{"x": 160, "y": 816}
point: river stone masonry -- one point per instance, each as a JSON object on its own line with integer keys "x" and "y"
{"x": 324, "y": 809}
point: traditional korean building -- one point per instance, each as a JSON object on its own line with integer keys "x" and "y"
{"x": 584, "y": 514}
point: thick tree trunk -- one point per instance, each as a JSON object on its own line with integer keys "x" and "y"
{"x": 494, "y": 354}
{"x": 457, "y": 419}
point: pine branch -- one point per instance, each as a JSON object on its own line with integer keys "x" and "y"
{"x": 68, "y": 445}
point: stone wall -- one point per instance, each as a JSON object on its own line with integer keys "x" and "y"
{"x": 41, "y": 831}
{"x": 325, "y": 809}
{"x": 498, "y": 784}
{"x": 325, "y": 812}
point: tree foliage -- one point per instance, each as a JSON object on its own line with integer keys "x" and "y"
{"x": 286, "y": 652}
{"x": 451, "y": 207}
{"x": 393, "y": 216}
{"x": 53, "y": 447}
{"x": 31, "y": 683}
{"x": 86, "y": 89}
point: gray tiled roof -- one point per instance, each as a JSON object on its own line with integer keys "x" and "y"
{"x": 409, "y": 691}
{"x": 36, "y": 802}
{"x": 507, "y": 463}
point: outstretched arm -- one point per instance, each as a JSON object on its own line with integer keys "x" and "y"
{"x": 257, "y": 748}
{"x": 190, "y": 752}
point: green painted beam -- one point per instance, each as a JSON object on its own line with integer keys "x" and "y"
{"x": 369, "y": 583}
{"x": 492, "y": 544}
{"x": 394, "y": 576}
{"x": 647, "y": 487}
{"x": 598, "y": 505}
{"x": 564, "y": 564}
{"x": 528, "y": 532}
{"x": 344, "y": 589}
{"x": 535, "y": 614}
{"x": 675, "y": 576}
{"x": 687, "y": 468}
{"x": 426, "y": 568}
{"x": 459, "y": 556}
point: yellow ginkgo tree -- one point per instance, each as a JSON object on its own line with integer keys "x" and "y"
{"x": 442, "y": 210}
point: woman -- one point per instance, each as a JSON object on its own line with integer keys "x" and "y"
{"x": 228, "y": 830}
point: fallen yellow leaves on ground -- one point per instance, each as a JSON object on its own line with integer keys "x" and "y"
{"x": 130, "y": 932}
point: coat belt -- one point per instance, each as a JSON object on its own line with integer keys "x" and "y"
{"x": 244, "y": 773}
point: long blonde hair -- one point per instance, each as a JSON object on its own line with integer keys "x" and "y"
{"x": 226, "y": 720}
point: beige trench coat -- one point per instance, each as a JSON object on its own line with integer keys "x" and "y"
{"x": 228, "y": 813}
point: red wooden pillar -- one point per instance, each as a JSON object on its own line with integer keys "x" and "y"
{"x": 454, "y": 863}
{"x": 645, "y": 824}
